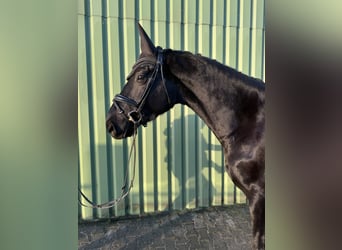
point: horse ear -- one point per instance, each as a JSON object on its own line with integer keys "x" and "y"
{"x": 146, "y": 45}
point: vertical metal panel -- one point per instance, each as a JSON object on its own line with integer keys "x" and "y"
{"x": 180, "y": 162}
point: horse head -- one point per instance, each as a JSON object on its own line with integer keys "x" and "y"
{"x": 149, "y": 91}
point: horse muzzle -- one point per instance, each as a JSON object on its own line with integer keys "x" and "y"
{"x": 117, "y": 132}
{"x": 111, "y": 128}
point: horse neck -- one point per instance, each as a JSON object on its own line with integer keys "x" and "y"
{"x": 218, "y": 94}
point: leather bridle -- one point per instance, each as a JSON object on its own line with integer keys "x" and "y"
{"x": 135, "y": 116}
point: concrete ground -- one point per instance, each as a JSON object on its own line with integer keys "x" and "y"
{"x": 209, "y": 228}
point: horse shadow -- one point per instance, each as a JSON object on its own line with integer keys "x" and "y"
{"x": 195, "y": 187}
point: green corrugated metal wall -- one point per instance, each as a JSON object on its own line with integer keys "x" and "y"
{"x": 180, "y": 162}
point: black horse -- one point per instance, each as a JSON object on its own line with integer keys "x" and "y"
{"x": 229, "y": 102}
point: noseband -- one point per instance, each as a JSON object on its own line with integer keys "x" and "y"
{"x": 135, "y": 116}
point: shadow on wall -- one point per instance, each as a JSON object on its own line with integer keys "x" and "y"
{"x": 192, "y": 162}
{"x": 195, "y": 173}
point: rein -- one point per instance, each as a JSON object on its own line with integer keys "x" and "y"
{"x": 124, "y": 193}
{"x": 135, "y": 117}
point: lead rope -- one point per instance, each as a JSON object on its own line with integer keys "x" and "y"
{"x": 112, "y": 203}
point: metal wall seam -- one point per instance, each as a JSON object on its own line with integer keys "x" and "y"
{"x": 83, "y": 119}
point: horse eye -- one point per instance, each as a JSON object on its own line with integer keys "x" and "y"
{"x": 142, "y": 77}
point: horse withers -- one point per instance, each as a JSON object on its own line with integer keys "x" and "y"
{"x": 229, "y": 102}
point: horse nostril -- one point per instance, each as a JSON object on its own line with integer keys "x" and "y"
{"x": 110, "y": 127}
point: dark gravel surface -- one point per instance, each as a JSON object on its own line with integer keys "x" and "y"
{"x": 210, "y": 228}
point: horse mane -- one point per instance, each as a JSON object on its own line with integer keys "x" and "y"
{"x": 223, "y": 71}
{"x": 233, "y": 73}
